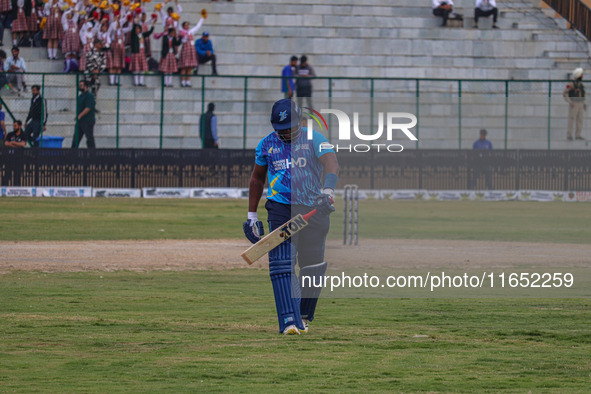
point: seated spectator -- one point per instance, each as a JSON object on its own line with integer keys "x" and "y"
{"x": 15, "y": 66}
{"x": 205, "y": 53}
{"x": 3, "y": 79}
{"x": 443, "y": 8}
{"x": 16, "y": 139}
{"x": 486, "y": 8}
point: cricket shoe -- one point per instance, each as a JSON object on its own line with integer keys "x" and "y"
{"x": 305, "y": 324}
{"x": 291, "y": 330}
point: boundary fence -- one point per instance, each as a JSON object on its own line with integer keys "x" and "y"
{"x": 411, "y": 169}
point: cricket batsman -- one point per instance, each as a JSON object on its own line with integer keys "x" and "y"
{"x": 294, "y": 165}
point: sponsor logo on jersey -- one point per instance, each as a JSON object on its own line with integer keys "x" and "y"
{"x": 286, "y": 164}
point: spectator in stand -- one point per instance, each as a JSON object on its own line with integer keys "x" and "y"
{"x": 145, "y": 28}
{"x": 2, "y": 124}
{"x": 171, "y": 18}
{"x": 37, "y": 112}
{"x": 303, "y": 84}
{"x": 21, "y": 12}
{"x": 168, "y": 62}
{"x": 88, "y": 32}
{"x": 53, "y": 31}
{"x": 443, "y": 8}
{"x": 116, "y": 55}
{"x": 16, "y": 139}
{"x": 71, "y": 41}
{"x": 96, "y": 63}
{"x": 486, "y": 8}
{"x": 3, "y": 78}
{"x": 85, "y": 119}
{"x": 188, "y": 58}
{"x": 480, "y": 167}
{"x": 209, "y": 128}
{"x": 17, "y": 66}
{"x": 32, "y": 21}
{"x": 205, "y": 53}
{"x": 5, "y": 19}
{"x": 139, "y": 62}
{"x": 287, "y": 84}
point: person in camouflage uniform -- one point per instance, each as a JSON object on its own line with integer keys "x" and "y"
{"x": 574, "y": 94}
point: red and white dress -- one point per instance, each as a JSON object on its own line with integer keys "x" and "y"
{"x": 33, "y": 22}
{"x": 53, "y": 28}
{"x": 168, "y": 65}
{"x": 139, "y": 62}
{"x": 71, "y": 42}
{"x": 188, "y": 57}
{"x": 5, "y": 6}
{"x": 21, "y": 23}
{"x": 116, "y": 56}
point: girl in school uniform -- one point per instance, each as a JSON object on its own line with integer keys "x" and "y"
{"x": 188, "y": 58}
{"x": 139, "y": 63}
{"x": 21, "y": 12}
{"x": 32, "y": 20}
{"x": 116, "y": 56}
{"x": 53, "y": 29}
{"x": 71, "y": 42}
{"x": 168, "y": 63}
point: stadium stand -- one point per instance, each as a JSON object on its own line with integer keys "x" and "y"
{"x": 361, "y": 38}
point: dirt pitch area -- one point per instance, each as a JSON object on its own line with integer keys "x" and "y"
{"x": 225, "y": 254}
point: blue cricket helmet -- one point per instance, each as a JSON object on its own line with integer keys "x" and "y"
{"x": 285, "y": 115}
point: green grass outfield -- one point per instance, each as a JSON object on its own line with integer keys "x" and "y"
{"x": 216, "y": 330}
{"x": 112, "y": 219}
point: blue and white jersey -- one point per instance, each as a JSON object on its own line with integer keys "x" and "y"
{"x": 293, "y": 169}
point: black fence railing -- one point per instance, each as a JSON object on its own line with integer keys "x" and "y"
{"x": 412, "y": 169}
{"x": 575, "y": 12}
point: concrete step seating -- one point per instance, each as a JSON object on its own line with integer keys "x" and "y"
{"x": 361, "y": 38}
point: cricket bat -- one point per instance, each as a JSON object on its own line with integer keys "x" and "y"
{"x": 276, "y": 237}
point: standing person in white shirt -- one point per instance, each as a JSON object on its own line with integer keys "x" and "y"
{"x": 486, "y": 8}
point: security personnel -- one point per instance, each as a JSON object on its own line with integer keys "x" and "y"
{"x": 574, "y": 94}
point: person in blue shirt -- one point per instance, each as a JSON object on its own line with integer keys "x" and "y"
{"x": 205, "y": 53}
{"x": 293, "y": 160}
{"x": 479, "y": 165}
{"x": 287, "y": 84}
{"x": 2, "y": 124}
{"x": 482, "y": 142}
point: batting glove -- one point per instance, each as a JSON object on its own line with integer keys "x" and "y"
{"x": 253, "y": 228}
{"x": 324, "y": 203}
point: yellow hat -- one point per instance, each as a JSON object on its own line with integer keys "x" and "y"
{"x": 204, "y": 13}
